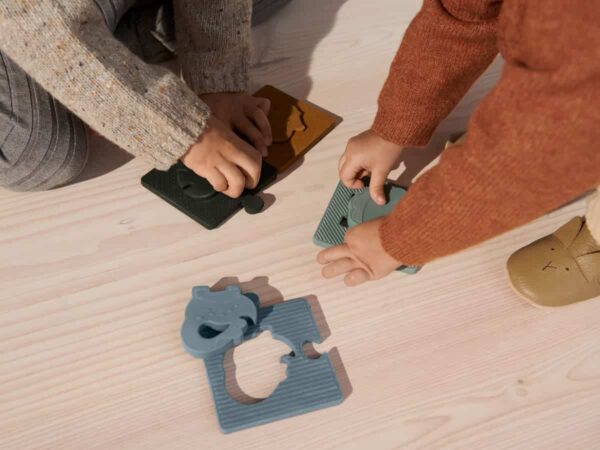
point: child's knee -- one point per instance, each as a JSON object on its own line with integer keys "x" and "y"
{"x": 40, "y": 165}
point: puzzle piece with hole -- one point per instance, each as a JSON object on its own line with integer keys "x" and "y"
{"x": 351, "y": 207}
{"x": 311, "y": 384}
{"x": 194, "y": 195}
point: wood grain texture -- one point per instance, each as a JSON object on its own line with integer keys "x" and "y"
{"x": 94, "y": 279}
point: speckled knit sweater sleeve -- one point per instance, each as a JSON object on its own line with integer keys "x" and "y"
{"x": 531, "y": 146}
{"x": 213, "y": 43}
{"x": 67, "y": 48}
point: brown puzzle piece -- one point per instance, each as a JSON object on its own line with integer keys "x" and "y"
{"x": 297, "y": 126}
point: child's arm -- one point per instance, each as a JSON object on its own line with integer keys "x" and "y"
{"x": 532, "y": 145}
{"x": 68, "y": 49}
{"x": 445, "y": 48}
{"x": 147, "y": 110}
{"x": 213, "y": 43}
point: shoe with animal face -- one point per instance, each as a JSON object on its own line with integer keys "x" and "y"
{"x": 559, "y": 269}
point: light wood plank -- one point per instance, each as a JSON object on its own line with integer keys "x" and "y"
{"x": 94, "y": 279}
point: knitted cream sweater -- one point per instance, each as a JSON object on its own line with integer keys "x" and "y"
{"x": 66, "y": 46}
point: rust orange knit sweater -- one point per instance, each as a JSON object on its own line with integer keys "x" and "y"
{"x": 532, "y": 145}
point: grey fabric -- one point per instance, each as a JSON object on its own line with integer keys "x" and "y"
{"x": 42, "y": 144}
{"x": 263, "y": 10}
{"x": 148, "y": 30}
{"x": 114, "y": 10}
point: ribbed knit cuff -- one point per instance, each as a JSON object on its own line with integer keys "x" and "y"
{"x": 206, "y": 76}
{"x": 401, "y": 131}
{"x": 166, "y": 153}
{"x": 176, "y": 127}
{"x": 403, "y": 241}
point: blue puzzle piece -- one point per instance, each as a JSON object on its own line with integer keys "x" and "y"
{"x": 216, "y": 321}
{"x": 311, "y": 384}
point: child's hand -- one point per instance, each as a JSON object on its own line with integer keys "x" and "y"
{"x": 361, "y": 258}
{"x": 369, "y": 154}
{"x": 244, "y": 113}
{"x": 227, "y": 162}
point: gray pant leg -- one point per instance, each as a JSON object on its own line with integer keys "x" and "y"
{"x": 42, "y": 145}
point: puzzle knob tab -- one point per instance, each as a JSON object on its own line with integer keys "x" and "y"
{"x": 361, "y": 207}
{"x": 252, "y": 204}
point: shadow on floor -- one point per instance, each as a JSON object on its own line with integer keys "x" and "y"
{"x": 289, "y": 67}
{"x": 104, "y": 157}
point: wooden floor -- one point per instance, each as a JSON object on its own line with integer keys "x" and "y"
{"x": 94, "y": 279}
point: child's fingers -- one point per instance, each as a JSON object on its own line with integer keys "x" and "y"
{"x": 339, "y": 267}
{"x": 376, "y": 187}
{"x": 349, "y": 175}
{"x": 260, "y": 119}
{"x": 247, "y": 159}
{"x": 264, "y": 104}
{"x": 341, "y": 163}
{"x": 236, "y": 181}
{"x": 356, "y": 277}
{"x": 217, "y": 180}
{"x": 333, "y": 253}
{"x": 255, "y": 135}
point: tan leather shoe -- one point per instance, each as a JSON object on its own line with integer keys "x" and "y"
{"x": 559, "y": 269}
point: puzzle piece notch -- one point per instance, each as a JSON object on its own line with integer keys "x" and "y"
{"x": 357, "y": 203}
{"x": 252, "y": 204}
{"x": 311, "y": 384}
{"x": 285, "y": 125}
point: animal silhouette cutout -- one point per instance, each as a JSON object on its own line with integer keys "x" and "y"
{"x": 285, "y": 124}
{"x": 296, "y": 126}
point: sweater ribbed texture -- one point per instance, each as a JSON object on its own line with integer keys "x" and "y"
{"x": 532, "y": 144}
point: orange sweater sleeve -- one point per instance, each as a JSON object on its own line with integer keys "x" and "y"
{"x": 531, "y": 146}
{"x": 444, "y": 50}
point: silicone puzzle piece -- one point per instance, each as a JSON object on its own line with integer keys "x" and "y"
{"x": 194, "y": 195}
{"x": 350, "y": 207}
{"x": 217, "y": 321}
{"x": 297, "y": 126}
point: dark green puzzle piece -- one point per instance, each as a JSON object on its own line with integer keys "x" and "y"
{"x": 194, "y": 196}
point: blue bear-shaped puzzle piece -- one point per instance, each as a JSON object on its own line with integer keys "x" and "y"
{"x": 311, "y": 384}
{"x": 216, "y": 321}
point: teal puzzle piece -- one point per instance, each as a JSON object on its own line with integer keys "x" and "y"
{"x": 350, "y": 207}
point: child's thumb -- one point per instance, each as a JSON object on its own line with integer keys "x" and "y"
{"x": 376, "y": 187}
